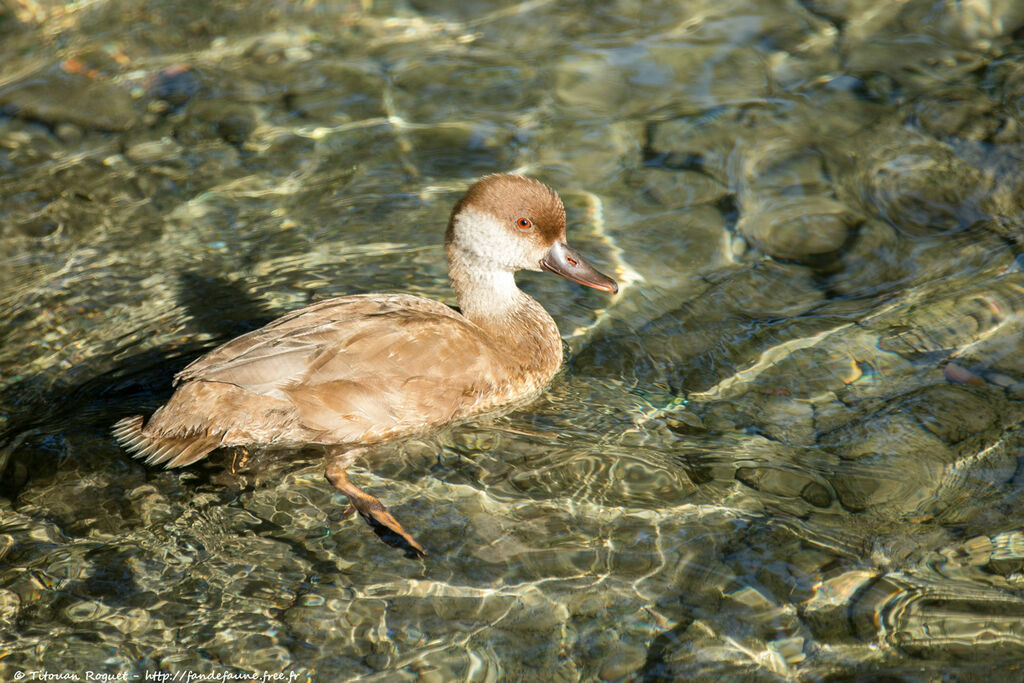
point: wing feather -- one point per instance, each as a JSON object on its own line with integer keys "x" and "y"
{"x": 356, "y": 368}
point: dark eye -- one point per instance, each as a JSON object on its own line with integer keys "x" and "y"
{"x": 524, "y": 223}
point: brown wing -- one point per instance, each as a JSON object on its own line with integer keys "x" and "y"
{"x": 273, "y": 341}
{"x": 357, "y": 368}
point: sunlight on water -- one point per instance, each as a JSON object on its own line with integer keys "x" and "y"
{"x": 788, "y": 448}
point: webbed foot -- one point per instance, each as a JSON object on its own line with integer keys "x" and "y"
{"x": 369, "y": 507}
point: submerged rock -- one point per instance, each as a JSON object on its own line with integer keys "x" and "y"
{"x": 923, "y": 188}
{"x": 803, "y": 229}
{"x": 175, "y": 85}
{"x": 55, "y": 96}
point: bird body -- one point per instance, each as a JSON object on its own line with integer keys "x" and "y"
{"x": 357, "y": 370}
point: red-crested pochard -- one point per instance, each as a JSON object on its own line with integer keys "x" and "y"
{"x": 358, "y": 370}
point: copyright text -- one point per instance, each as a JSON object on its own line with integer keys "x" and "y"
{"x": 158, "y": 676}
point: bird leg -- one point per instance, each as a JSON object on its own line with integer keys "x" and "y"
{"x": 368, "y": 507}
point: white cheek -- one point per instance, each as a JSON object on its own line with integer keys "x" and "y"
{"x": 489, "y": 241}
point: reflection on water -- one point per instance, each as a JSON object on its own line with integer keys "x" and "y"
{"x": 789, "y": 448}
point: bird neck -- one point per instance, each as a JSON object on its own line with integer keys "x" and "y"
{"x": 491, "y": 299}
{"x": 486, "y": 296}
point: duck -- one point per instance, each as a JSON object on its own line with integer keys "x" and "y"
{"x": 355, "y": 371}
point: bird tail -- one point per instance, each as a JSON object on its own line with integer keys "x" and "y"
{"x": 171, "y": 451}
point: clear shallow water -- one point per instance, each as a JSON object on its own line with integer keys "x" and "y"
{"x": 790, "y": 448}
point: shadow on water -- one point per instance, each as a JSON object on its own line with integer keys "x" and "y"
{"x": 138, "y": 383}
{"x": 788, "y": 449}
{"x": 131, "y": 384}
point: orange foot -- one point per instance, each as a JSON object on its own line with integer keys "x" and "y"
{"x": 369, "y": 507}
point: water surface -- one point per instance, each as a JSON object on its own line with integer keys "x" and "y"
{"x": 789, "y": 448}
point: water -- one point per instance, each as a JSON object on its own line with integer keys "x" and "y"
{"x": 789, "y": 448}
